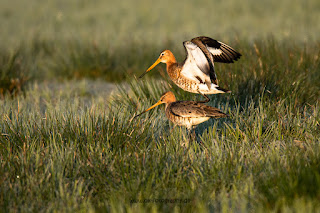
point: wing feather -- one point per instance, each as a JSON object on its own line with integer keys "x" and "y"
{"x": 202, "y": 52}
{"x": 199, "y": 62}
{"x": 192, "y": 109}
{"x": 221, "y": 52}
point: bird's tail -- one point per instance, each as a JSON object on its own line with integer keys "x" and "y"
{"x": 222, "y": 90}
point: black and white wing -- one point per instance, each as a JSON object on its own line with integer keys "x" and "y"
{"x": 198, "y": 64}
{"x": 220, "y": 51}
{"x": 202, "y": 52}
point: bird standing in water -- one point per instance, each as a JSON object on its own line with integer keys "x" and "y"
{"x": 196, "y": 74}
{"x": 186, "y": 113}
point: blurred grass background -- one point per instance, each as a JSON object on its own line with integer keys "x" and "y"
{"x": 68, "y": 93}
{"x": 103, "y": 39}
{"x": 155, "y": 22}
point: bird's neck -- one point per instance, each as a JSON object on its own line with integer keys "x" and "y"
{"x": 171, "y": 65}
{"x": 169, "y": 103}
{"x": 167, "y": 107}
{"x": 173, "y": 69}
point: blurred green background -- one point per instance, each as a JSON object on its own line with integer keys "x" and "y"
{"x": 121, "y": 22}
{"x": 109, "y": 40}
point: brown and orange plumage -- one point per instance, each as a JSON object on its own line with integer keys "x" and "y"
{"x": 186, "y": 113}
{"x": 196, "y": 74}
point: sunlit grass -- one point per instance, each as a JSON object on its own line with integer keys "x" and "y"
{"x": 277, "y": 69}
{"x": 69, "y": 92}
{"x": 83, "y": 152}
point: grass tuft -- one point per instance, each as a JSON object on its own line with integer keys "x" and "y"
{"x": 85, "y": 153}
{"x": 14, "y": 76}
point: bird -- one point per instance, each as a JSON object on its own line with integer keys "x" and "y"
{"x": 196, "y": 74}
{"x": 186, "y": 113}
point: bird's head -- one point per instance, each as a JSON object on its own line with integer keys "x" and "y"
{"x": 166, "y": 57}
{"x": 166, "y": 98}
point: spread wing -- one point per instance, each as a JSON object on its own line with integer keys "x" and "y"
{"x": 192, "y": 109}
{"x": 220, "y": 51}
{"x": 199, "y": 63}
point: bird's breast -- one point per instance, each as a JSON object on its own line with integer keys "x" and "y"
{"x": 184, "y": 121}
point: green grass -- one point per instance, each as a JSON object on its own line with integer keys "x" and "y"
{"x": 116, "y": 23}
{"x": 68, "y": 93}
{"x": 71, "y": 150}
{"x": 280, "y": 68}
{"x": 13, "y": 75}
{"x": 108, "y": 40}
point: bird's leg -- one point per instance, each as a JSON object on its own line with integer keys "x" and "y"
{"x": 172, "y": 128}
{"x": 205, "y": 96}
{"x": 192, "y": 134}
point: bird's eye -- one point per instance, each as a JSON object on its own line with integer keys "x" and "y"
{"x": 162, "y": 54}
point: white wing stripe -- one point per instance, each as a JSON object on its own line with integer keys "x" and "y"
{"x": 214, "y": 51}
{"x": 196, "y": 65}
{"x": 201, "y": 60}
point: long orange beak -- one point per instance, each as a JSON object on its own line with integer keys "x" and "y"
{"x": 153, "y": 106}
{"x": 152, "y": 66}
